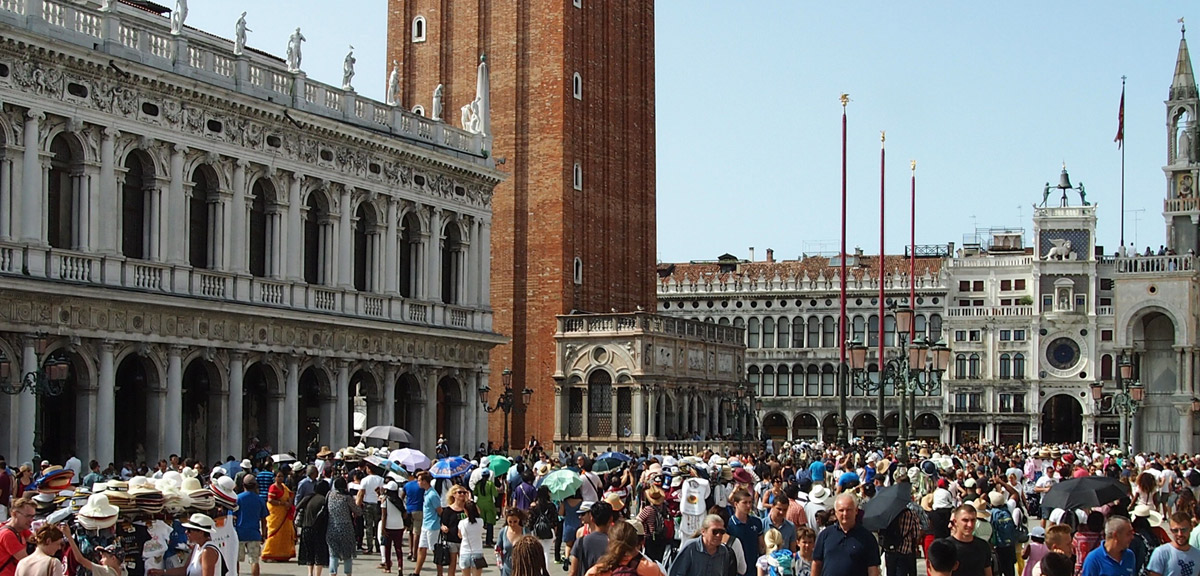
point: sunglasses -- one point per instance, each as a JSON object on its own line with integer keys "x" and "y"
{"x": 718, "y": 532}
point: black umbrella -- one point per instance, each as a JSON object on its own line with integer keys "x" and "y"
{"x": 1085, "y": 492}
{"x": 888, "y": 503}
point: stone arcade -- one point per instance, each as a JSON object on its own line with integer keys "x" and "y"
{"x": 221, "y": 249}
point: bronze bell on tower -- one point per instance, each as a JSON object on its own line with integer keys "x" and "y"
{"x": 1064, "y": 181}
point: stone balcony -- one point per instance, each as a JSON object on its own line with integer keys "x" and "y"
{"x": 86, "y": 268}
{"x": 989, "y": 311}
{"x": 1183, "y": 265}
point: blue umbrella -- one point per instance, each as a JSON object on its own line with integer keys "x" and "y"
{"x": 450, "y": 467}
{"x": 614, "y": 455}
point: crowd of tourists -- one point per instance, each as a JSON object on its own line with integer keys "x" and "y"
{"x": 807, "y": 509}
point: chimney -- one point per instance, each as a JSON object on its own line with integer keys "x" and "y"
{"x": 770, "y": 256}
{"x": 751, "y": 253}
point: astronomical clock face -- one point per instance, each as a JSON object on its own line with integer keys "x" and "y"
{"x": 1063, "y": 353}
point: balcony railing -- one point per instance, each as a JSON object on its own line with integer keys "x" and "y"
{"x": 181, "y": 280}
{"x": 1181, "y": 204}
{"x": 1185, "y": 263}
{"x": 646, "y": 323}
{"x": 990, "y": 311}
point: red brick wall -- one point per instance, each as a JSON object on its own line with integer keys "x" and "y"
{"x": 540, "y": 222}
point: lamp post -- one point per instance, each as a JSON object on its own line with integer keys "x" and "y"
{"x": 506, "y": 401}
{"x": 919, "y": 366}
{"x": 1128, "y": 398}
{"x": 49, "y": 380}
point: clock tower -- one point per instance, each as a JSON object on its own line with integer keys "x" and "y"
{"x": 1181, "y": 210}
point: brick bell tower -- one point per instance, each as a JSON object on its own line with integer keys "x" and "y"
{"x": 572, "y": 114}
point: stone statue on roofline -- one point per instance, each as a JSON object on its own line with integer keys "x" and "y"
{"x": 293, "y": 51}
{"x": 437, "y": 103}
{"x": 178, "y": 16}
{"x": 239, "y": 35}
{"x": 393, "y": 87}
{"x": 348, "y": 70}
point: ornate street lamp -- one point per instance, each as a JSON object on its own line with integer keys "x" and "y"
{"x": 48, "y": 381}
{"x": 506, "y": 401}
{"x": 1127, "y": 400}
{"x": 918, "y": 367}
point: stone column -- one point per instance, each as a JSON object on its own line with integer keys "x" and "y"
{"x": 388, "y": 412}
{"x": 614, "y": 422}
{"x": 472, "y": 267}
{"x": 234, "y": 438}
{"x": 652, "y": 422}
{"x": 106, "y": 398}
{"x": 25, "y": 405}
{"x": 1186, "y": 418}
{"x": 108, "y": 205}
{"x": 470, "y": 415}
{"x": 391, "y": 282}
{"x": 292, "y": 236}
{"x": 481, "y": 415}
{"x": 429, "y": 413}
{"x": 433, "y": 264}
{"x": 345, "y": 270}
{"x": 31, "y": 180}
{"x": 172, "y": 420}
{"x": 176, "y": 208}
{"x": 237, "y": 246}
{"x": 638, "y": 414}
{"x": 289, "y": 431}
{"x": 342, "y": 405}
{"x": 562, "y": 418}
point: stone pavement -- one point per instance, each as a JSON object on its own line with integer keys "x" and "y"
{"x": 367, "y": 565}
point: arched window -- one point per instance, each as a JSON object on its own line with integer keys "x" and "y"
{"x": 204, "y": 206}
{"x": 454, "y": 254}
{"x": 768, "y": 381}
{"x": 752, "y": 333}
{"x": 785, "y": 338}
{"x": 889, "y": 330}
{"x": 577, "y": 86}
{"x": 577, "y": 177}
{"x": 828, "y": 378}
{"x": 814, "y": 332}
{"x": 578, "y": 276}
{"x": 410, "y": 255}
{"x": 260, "y": 231}
{"x": 418, "y": 29}
{"x": 723, "y": 321}
{"x": 973, "y": 366}
{"x": 63, "y": 194}
{"x": 768, "y": 332}
{"x": 828, "y": 334}
{"x": 812, "y": 381}
{"x": 318, "y": 235}
{"x": 1005, "y": 366}
{"x": 600, "y": 403}
{"x": 782, "y": 381}
{"x": 753, "y": 377}
{"x": 960, "y": 366}
{"x": 935, "y": 327}
{"x": 739, "y": 323}
{"x": 919, "y": 326}
{"x": 1106, "y": 365}
{"x": 797, "y": 380}
{"x": 135, "y": 197}
{"x": 860, "y": 327}
{"x": 1019, "y": 366}
{"x": 873, "y": 331}
{"x": 797, "y": 332}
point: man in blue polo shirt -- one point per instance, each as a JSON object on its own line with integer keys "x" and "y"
{"x": 816, "y": 471}
{"x": 250, "y": 521}
{"x": 746, "y": 528}
{"x": 845, "y": 549}
{"x": 1114, "y": 558}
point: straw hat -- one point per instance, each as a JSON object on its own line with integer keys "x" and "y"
{"x": 325, "y": 452}
{"x": 615, "y": 501}
{"x": 997, "y": 499}
{"x": 1151, "y": 516}
{"x": 981, "y": 508}
{"x": 98, "y": 514}
{"x": 655, "y": 495}
{"x": 200, "y": 522}
{"x": 881, "y": 466}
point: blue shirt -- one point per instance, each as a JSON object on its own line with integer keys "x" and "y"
{"x": 430, "y": 519}
{"x": 816, "y": 471}
{"x": 248, "y": 519}
{"x": 1171, "y": 561}
{"x": 846, "y": 553}
{"x": 787, "y": 531}
{"x": 747, "y": 533}
{"x": 264, "y": 478}
{"x": 1099, "y": 563}
{"x": 413, "y": 496}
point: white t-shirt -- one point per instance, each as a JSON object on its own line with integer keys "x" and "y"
{"x": 472, "y": 536}
{"x": 73, "y": 464}
{"x": 692, "y": 495}
{"x": 395, "y": 516}
{"x": 1167, "y": 478}
{"x": 369, "y": 486}
{"x": 592, "y": 487}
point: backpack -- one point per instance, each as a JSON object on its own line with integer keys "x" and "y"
{"x": 890, "y": 537}
{"x": 661, "y": 524}
{"x": 543, "y": 527}
{"x": 922, "y": 516}
{"x": 1004, "y": 531}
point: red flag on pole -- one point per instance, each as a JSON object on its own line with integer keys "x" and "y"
{"x": 1120, "y": 139}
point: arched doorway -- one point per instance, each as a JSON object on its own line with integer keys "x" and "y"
{"x": 261, "y": 231}
{"x": 60, "y": 435}
{"x": 805, "y": 427}
{"x": 829, "y": 428}
{"x": 450, "y": 412}
{"x": 410, "y": 255}
{"x": 406, "y": 412}
{"x": 1062, "y": 420}
{"x": 891, "y": 426}
{"x": 1157, "y": 363}
{"x": 136, "y": 376}
{"x": 202, "y": 420}
{"x": 313, "y": 386}
{"x": 927, "y": 426}
{"x": 776, "y": 426}
{"x": 259, "y": 402}
{"x": 136, "y": 190}
{"x": 865, "y": 425}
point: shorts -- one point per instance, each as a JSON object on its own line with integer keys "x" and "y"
{"x": 468, "y": 560}
{"x": 428, "y": 538}
{"x": 1163, "y": 497}
{"x": 250, "y": 551}
{"x": 413, "y": 519}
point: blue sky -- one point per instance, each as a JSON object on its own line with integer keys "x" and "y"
{"x": 989, "y": 98}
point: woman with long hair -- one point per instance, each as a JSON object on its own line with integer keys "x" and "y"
{"x": 457, "y": 497}
{"x": 49, "y": 541}
{"x": 313, "y": 523}
{"x": 280, "y": 542}
{"x": 24, "y": 480}
{"x": 528, "y": 558}
{"x": 340, "y": 533}
{"x": 1145, "y": 491}
{"x": 514, "y": 519}
{"x": 624, "y": 549}
{"x": 470, "y": 531}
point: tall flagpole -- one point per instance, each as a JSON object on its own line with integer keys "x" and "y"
{"x": 882, "y": 428}
{"x": 1121, "y": 137}
{"x": 912, "y": 299}
{"x": 843, "y": 426}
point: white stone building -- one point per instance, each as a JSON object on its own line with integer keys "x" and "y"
{"x": 219, "y": 248}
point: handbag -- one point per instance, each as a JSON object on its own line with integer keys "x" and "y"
{"x": 441, "y": 553}
{"x": 480, "y": 562}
